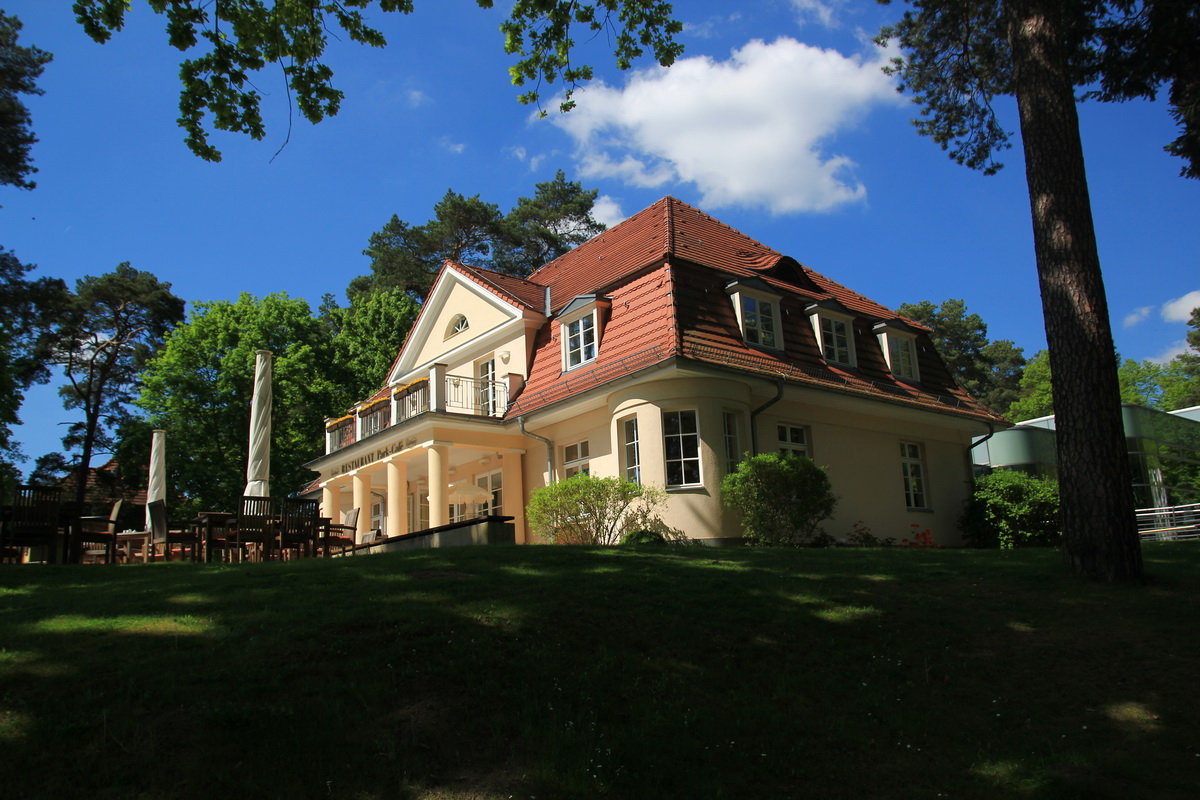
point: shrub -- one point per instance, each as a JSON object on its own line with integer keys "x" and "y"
{"x": 1012, "y": 509}
{"x": 587, "y": 510}
{"x": 643, "y": 536}
{"x": 782, "y": 498}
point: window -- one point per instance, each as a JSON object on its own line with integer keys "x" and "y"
{"x": 632, "y": 450}
{"x": 418, "y": 511}
{"x": 457, "y": 325}
{"x": 681, "y": 442}
{"x": 914, "y": 475}
{"x": 757, "y": 307}
{"x": 486, "y": 371}
{"x": 733, "y": 446}
{"x": 899, "y": 347}
{"x": 758, "y": 321}
{"x": 379, "y": 514}
{"x": 901, "y": 358}
{"x": 581, "y": 341}
{"x": 833, "y": 325}
{"x": 458, "y": 512}
{"x": 575, "y": 459}
{"x": 492, "y": 483}
{"x": 793, "y": 439}
{"x": 835, "y": 340}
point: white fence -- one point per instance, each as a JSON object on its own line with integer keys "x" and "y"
{"x": 1174, "y": 522}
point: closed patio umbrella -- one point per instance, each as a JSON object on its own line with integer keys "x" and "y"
{"x": 156, "y": 487}
{"x": 258, "y": 466}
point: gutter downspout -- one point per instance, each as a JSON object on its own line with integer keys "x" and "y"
{"x": 753, "y": 426}
{"x": 971, "y": 452}
{"x": 549, "y": 448}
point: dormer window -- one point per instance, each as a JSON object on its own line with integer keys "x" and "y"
{"x": 457, "y": 325}
{"x": 581, "y": 325}
{"x": 899, "y": 345}
{"x": 757, "y": 309}
{"x": 834, "y": 327}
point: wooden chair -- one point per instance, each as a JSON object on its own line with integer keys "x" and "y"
{"x": 96, "y": 531}
{"x": 33, "y": 522}
{"x": 342, "y": 535}
{"x": 256, "y": 524}
{"x": 300, "y": 527}
{"x": 161, "y": 535}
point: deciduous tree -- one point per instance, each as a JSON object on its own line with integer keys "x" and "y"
{"x": 199, "y": 389}
{"x": 958, "y": 57}
{"x": 236, "y": 39}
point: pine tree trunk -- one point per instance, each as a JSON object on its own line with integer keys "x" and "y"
{"x": 1100, "y": 536}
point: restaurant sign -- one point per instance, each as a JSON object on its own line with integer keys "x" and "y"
{"x": 371, "y": 458}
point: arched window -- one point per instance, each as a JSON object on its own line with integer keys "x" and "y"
{"x": 457, "y": 325}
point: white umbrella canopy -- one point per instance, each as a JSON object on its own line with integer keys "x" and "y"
{"x": 258, "y": 466}
{"x": 463, "y": 492}
{"x": 156, "y": 487}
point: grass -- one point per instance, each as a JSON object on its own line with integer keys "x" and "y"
{"x": 556, "y": 672}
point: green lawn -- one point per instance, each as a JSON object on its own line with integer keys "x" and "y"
{"x": 557, "y": 672}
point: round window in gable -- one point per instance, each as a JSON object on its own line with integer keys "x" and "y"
{"x": 457, "y": 325}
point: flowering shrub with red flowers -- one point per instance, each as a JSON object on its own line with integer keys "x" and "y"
{"x": 923, "y": 540}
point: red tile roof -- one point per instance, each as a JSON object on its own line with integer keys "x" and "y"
{"x": 665, "y": 270}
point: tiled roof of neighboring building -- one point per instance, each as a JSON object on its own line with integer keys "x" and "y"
{"x": 518, "y": 290}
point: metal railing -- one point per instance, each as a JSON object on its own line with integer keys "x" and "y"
{"x": 1170, "y": 522}
{"x": 462, "y": 395}
{"x": 477, "y": 396}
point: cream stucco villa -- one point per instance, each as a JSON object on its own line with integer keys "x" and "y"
{"x": 662, "y": 351}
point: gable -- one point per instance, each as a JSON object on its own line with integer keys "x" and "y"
{"x": 434, "y": 337}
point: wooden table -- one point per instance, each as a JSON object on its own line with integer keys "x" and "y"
{"x": 206, "y": 523}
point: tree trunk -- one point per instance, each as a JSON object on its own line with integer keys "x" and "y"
{"x": 1100, "y": 536}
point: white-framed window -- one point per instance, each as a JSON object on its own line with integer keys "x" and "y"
{"x": 493, "y": 483}
{"x": 461, "y": 511}
{"x": 733, "y": 442}
{"x": 485, "y": 370}
{"x": 576, "y": 459}
{"x": 379, "y": 514}
{"x": 757, "y": 309}
{"x": 457, "y": 325}
{"x": 912, "y": 469}
{"x": 579, "y": 341}
{"x": 631, "y": 450}
{"x": 793, "y": 439}
{"x": 681, "y": 445}
{"x": 835, "y": 340}
{"x": 758, "y": 321}
{"x": 899, "y": 350}
{"x": 834, "y": 329}
{"x": 418, "y": 511}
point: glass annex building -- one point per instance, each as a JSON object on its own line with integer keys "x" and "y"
{"x": 1164, "y": 453}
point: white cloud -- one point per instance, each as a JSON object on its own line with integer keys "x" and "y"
{"x": 1180, "y": 309}
{"x": 1137, "y": 315}
{"x": 713, "y": 26}
{"x": 750, "y": 131}
{"x": 822, "y": 12}
{"x": 1176, "y": 348}
{"x": 517, "y": 152}
{"x": 453, "y": 147}
{"x": 416, "y": 98}
{"x": 607, "y": 210}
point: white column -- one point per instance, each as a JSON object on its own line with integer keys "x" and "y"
{"x": 437, "y": 388}
{"x": 397, "y": 496}
{"x": 511, "y": 474}
{"x": 329, "y": 504}
{"x": 362, "y": 501}
{"x": 439, "y": 510}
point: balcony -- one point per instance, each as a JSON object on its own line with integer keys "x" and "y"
{"x": 454, "y": 394}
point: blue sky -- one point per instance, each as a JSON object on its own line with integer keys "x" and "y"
{"x": 777, "y": 120}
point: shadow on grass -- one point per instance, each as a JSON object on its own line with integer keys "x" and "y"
{"x": 568, "y": 672}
